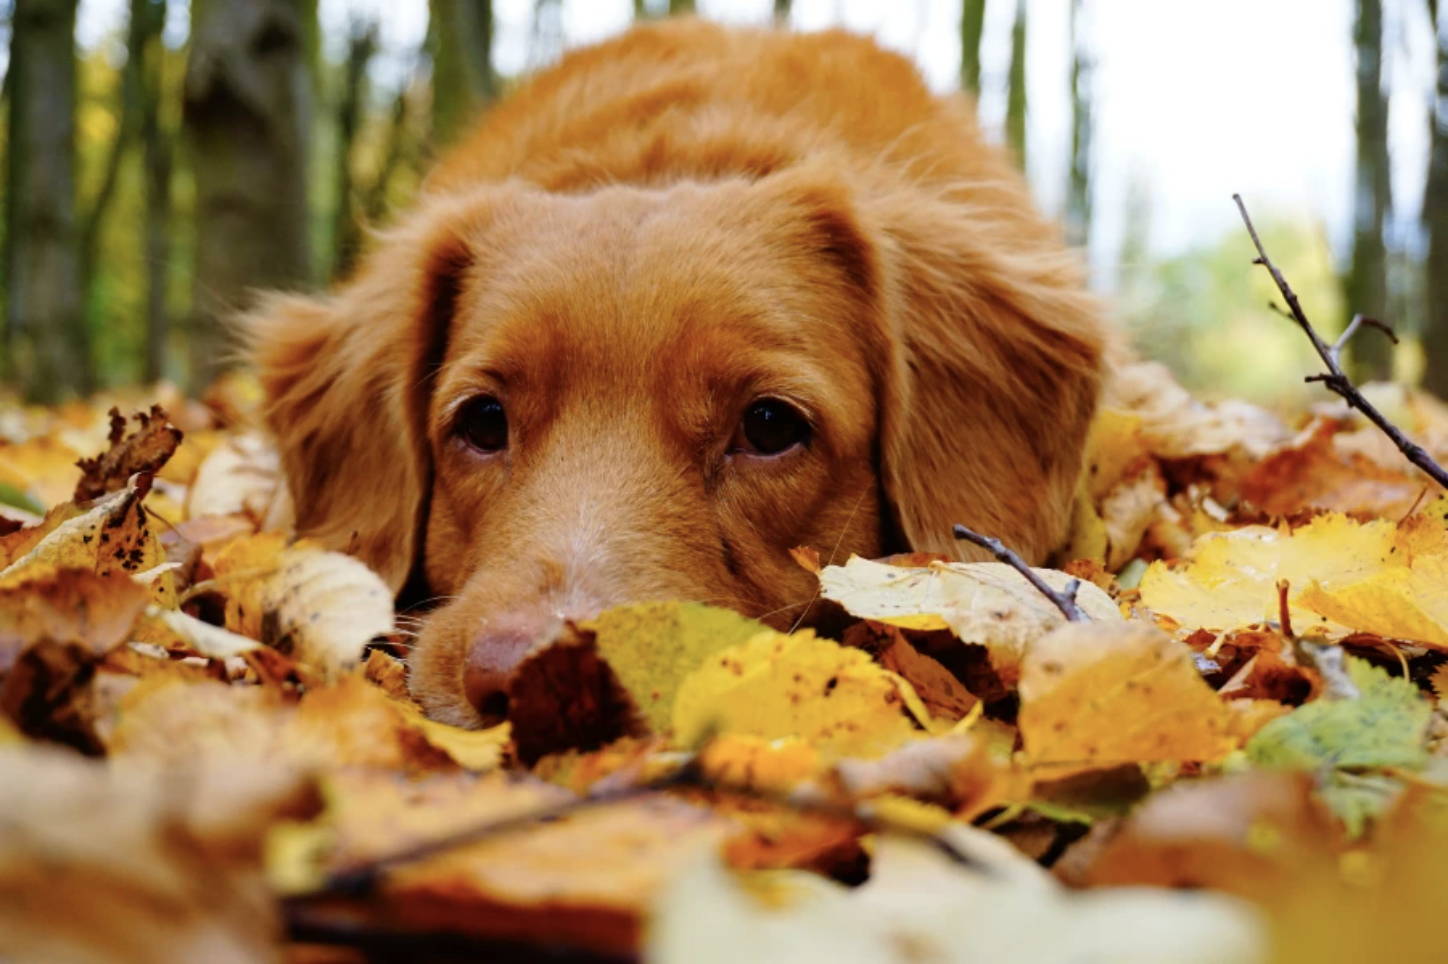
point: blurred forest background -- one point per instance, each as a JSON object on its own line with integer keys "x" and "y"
{"x": 156, "y": 176}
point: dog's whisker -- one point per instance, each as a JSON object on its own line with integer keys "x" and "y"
{"x": 786, "y": 607}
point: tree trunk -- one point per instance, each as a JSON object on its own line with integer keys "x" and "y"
{"x": 128, "y": 111}
{"x": 1016, "y": 91}
{"x": 1435, "y": 217}
{"x": 1078, "y": 192}
{"x": 680, "y": 7}
{"x": 44, "y": 310}
{"x": 347, "y": 225}
{"x": 781, "y": 10}
{"x": 247, "y": 106}
{"x": 156, "y": 161}
{"x": 972, "y": 25}
{"x": 1370, "y": 357}
{"x": 461, "y": 34}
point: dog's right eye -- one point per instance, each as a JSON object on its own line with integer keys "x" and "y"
{"x": 483, "y": 424}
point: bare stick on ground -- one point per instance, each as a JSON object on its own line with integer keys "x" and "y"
{"x": 1331, "y": 356}
{"x": 1064, "y": 600}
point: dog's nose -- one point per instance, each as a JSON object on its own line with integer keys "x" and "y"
{"x": 494, "y": 657}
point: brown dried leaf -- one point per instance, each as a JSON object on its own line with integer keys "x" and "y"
{"x": 146, "y": 449}
{"x": 77, "y": 606}
{"x": 1315, "y": 473}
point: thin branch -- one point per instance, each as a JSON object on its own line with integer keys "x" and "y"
{"x": 1334, "y": 378}
{"x": 362, "y": 880}
{"x": 1064, "y": 600}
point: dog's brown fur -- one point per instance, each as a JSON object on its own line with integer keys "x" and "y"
{"x": 628, "y": 252}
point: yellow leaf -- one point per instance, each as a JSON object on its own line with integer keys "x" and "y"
{"x": 651, "y": 647}
{"x": 113, "y": 535}
{"x": 777, "y": 686}
{"x": 42, "y": 467}
{"x": 1101, "y": 694}
{"x": 1230, "y": 578}
{"x": 1371, "y": 577}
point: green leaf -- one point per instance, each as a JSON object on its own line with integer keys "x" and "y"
{"x": 1382, "y": 727}
{"x": 10, "y": 495}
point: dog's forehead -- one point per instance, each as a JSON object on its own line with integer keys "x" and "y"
{"x": 626, "y": 279}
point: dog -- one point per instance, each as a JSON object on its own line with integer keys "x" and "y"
{"x": 692, "y": 297}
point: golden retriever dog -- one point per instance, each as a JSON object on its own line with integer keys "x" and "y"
{"x": 686, "y": 300}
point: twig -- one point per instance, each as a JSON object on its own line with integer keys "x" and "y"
{"x": 362, "y": 880}
{"x": 1334, "y": 378}
{"x": 1065, "y": 600}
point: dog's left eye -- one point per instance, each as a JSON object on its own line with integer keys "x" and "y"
{"x": 483, "y": 424}
{"x": 770, "y": 426}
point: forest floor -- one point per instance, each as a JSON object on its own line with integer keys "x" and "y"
{"x": 208, "y": 750}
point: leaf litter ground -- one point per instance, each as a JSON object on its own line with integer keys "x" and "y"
{"x": 208, "y": 751}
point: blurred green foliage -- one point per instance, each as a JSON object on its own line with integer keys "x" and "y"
{"x": 1206, "y": 312}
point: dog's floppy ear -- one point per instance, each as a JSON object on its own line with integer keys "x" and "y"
{"x": 346, "y": 379}
{"x": 993, "y": 372}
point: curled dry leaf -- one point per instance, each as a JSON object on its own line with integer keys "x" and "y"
{"x": 240, "y": 476}
{"x": 320, "y": 607}
{"x": 1100, "y": 694}
{"x": 55, "y": 625}
{"x": 980, "y": 602}
{"x": 616, "y": 674}
{"x": 566, "y": 696}
{"x": 146, "y": 449}
{"x": 945, "y": 696}
{"x": 113, "y": 535}
{"x": 1174, "y": 425}
{"x": 778, "y": 686}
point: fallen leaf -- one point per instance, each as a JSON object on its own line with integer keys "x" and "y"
{"x": 240, "y": 476}
{"x": 1230, "y": 578}
{"x": 918, "y": 905}
{"x": 104, "y": 865}
{"x": 78, "y": 606}
{"x": 652, "y": 647}
{"x": 113, "y": 535}
{"x": 1101, "y": 694}
{"x": 146, "y": 449}
{"x": 580, "y": 881}
{"x": 777, "y": 686}
{"x": 980, "y": 602}
{"x": 1382, "y": 728}
{"x": 1314, "y": 473}
{"x": 564, "y": 696}
{"x": 320, "y": 607}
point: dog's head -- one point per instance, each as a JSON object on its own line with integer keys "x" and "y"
{"x": 540, "y": 405}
